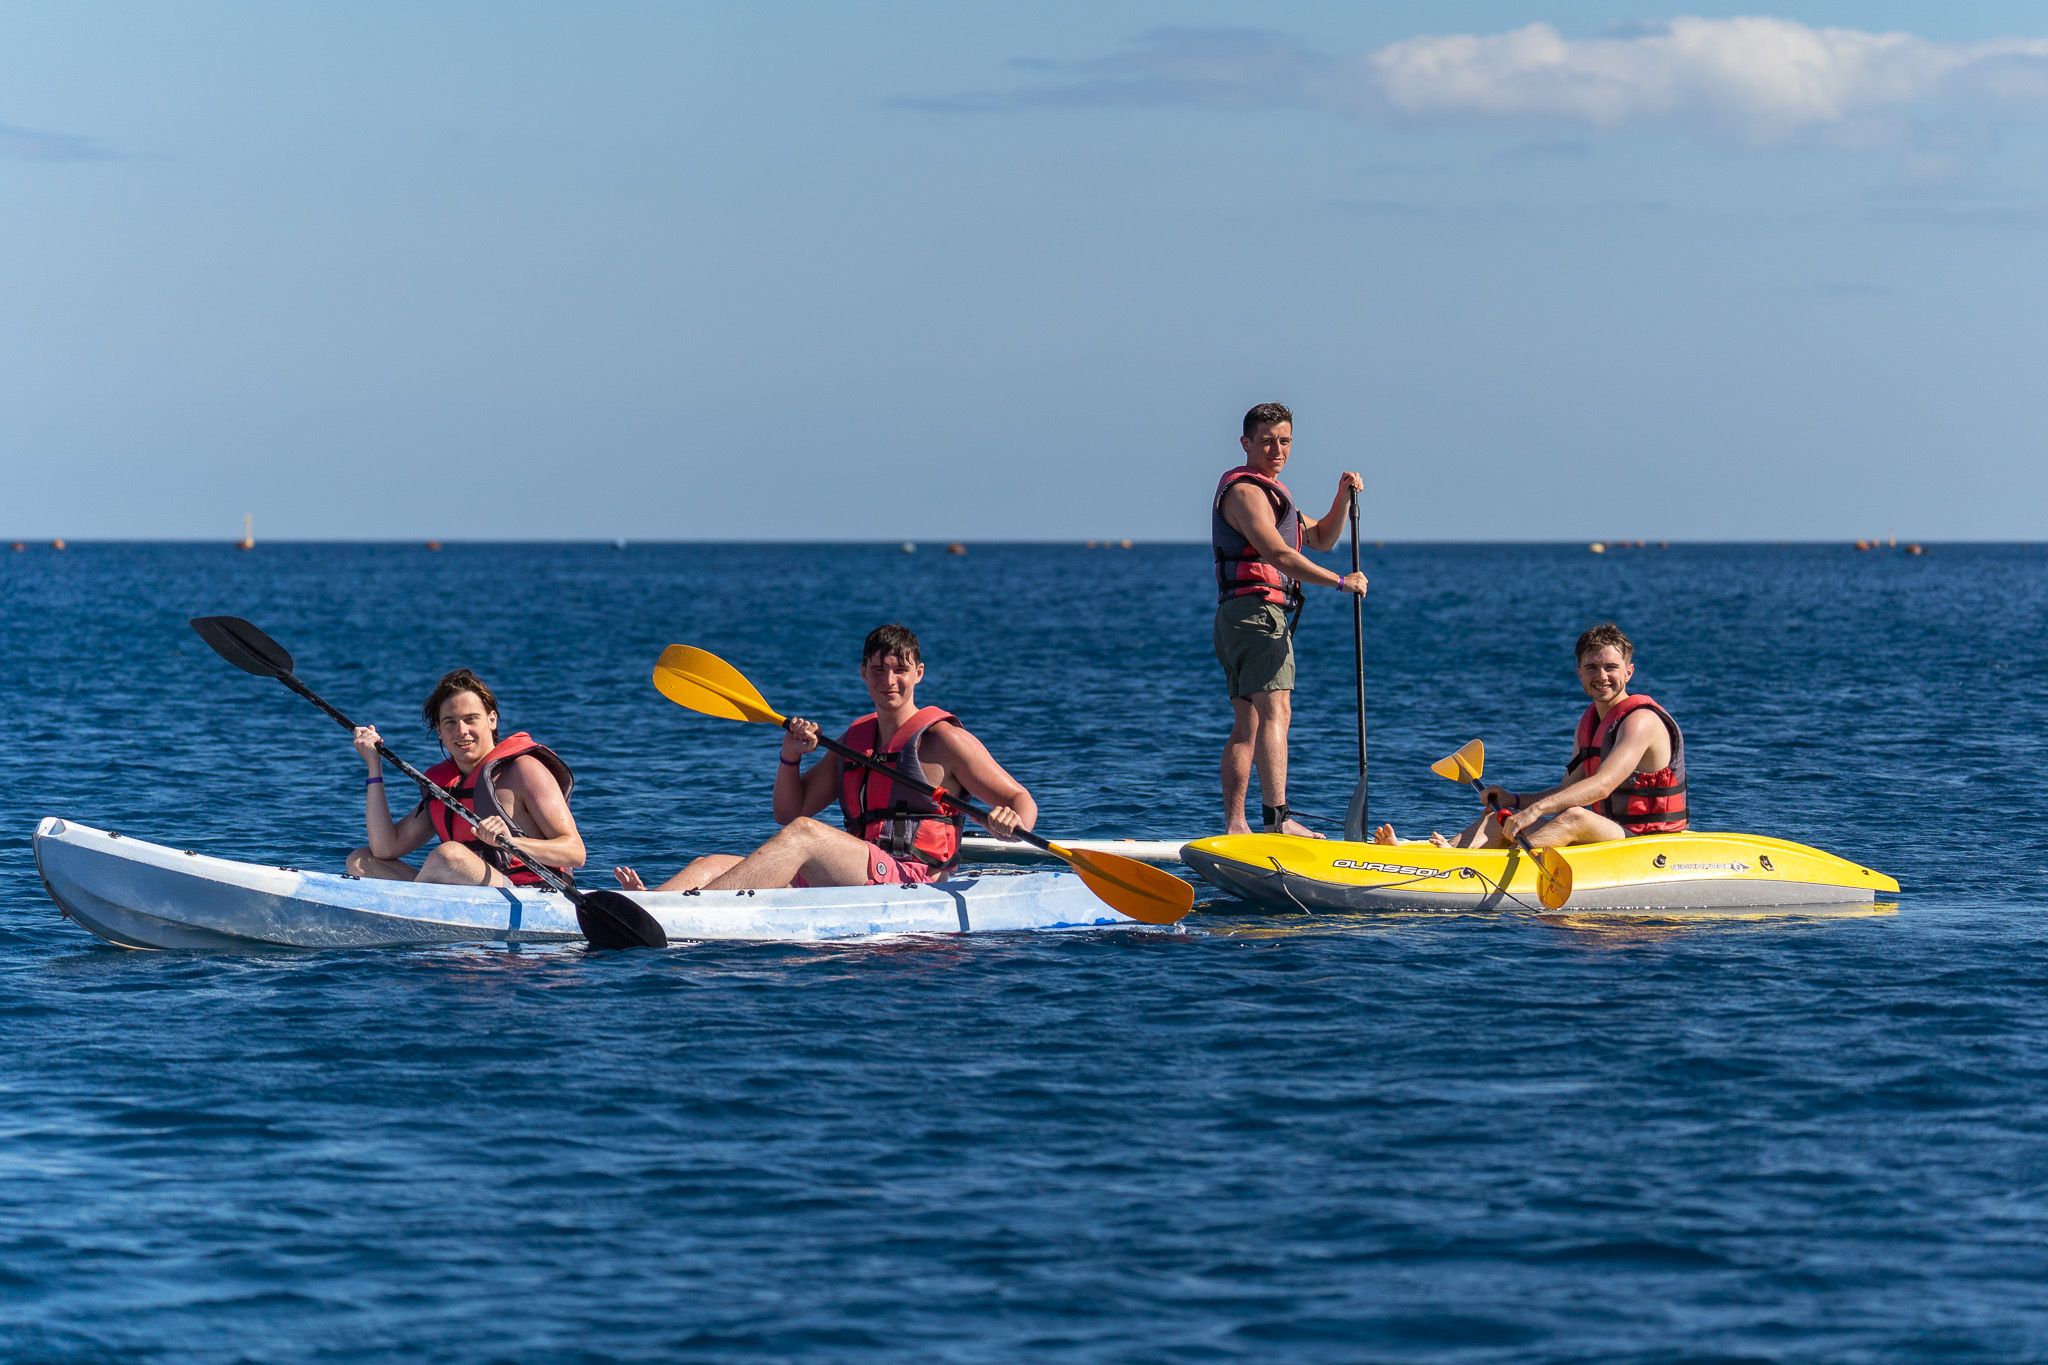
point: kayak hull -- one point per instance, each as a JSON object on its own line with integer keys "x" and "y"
{"x": 986, "y": 848}
{"x": 142, "y": 895}
{"x": 1655, "y": 873}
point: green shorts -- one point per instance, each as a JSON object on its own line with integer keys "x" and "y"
{"x": 1254, "y": 646}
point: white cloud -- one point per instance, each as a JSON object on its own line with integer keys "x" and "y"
{"x": 1758, "y": 79}
{"x": 1761, "y": 78}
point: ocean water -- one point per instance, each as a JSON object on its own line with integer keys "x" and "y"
{"x": 1461, "y": 1138}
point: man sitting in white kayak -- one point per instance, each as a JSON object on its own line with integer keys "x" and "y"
{"x": 1626, "y": 775}
{"x": 893, "y": 835}
{"x": 512, "y": 784}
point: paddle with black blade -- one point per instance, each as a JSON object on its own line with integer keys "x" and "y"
{"x": 1553, "y": 871}
{"x": 1355, "y": 818}
{"x": 705, "y": 683}
{"x": 608, "y": 918}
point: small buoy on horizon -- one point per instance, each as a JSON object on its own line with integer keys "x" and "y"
{"x": 248, "y": 540}
{"x": 909, "y": 547}
{"x": 57, "y": 544}
{"x": 1125, "y": 543}
{"x": 1598, "y": 547}
{"x": 1092, "y": 545}
{"x": 18, "y": 546}
{"x": 1863, "y": 545}
{"x": 1916, "y": 548}
{"x": 956, "y": 548}
{"x": 433, "y": 545}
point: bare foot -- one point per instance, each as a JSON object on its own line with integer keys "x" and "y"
{"x": 1385, "y": 835}
{"x": 629, "y": 879}
{"x": 1237, "y": 826}
{"x": 1298, "y": 830}
{"x": 1439, "y": 840}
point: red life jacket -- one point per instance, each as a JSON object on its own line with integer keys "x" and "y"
{"x": 902, "y": 822}
{"x": 1240, "y": 572}
{"x": 1647, "y": 803}
{"x": 478, "y": 792}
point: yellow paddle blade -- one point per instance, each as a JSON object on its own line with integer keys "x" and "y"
{"x": 1466, "y": 765}
{"x": 1148, "y": 894}
{"x": 702, "y": 681}
{"x": 1553, "y": 878}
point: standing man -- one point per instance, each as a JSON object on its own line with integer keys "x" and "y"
{"x": 1257, "y": 533}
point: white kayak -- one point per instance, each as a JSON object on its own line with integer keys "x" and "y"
{"x": 143, "y": 895}
{"x": 986, "y": 848}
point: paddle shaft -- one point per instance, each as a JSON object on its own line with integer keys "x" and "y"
{"x": 1358, "y": 667}
{"x": 903, "y": 779}
{"x": 431, "y": 788}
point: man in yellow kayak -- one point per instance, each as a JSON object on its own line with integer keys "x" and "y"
{"x": 892, "y": 833}
{"x": 1626, "y": 775}
{"x": 1257, "y": 533}
{"x": 518, "y": 789}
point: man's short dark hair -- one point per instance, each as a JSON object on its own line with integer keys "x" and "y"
{"x": 891, "y": 639}
{"x": 1265, "y": 415}
{"x": 1602, "y": 635}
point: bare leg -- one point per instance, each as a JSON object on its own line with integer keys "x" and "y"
{"x": 698, "y": 873}
{"x": 1481, "y": 833}
{"x": 455, "y": 865}
{"x": 1575, "y": 826}
{"x": 1276, "y": 714}
{"x": 1237, "y": 764}
{"x": 820, "y": 854}
{"x": 362, "y": 863}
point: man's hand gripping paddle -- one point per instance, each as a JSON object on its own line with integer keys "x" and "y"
{"x": 1553, "y": 872}
{"x": 703, "y": 682}
{"x": 608, "y": 918}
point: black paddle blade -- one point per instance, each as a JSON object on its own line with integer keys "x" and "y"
{"x": 244, "y": 646}
{"x": 610, "y": 920}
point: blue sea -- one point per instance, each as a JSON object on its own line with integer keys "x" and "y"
{"x": 1499, "y": 1137}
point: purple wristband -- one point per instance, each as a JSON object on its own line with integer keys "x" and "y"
{"x": 789, "y": 762}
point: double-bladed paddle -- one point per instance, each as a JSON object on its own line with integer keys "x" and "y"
{"x": 705, "y": 683}
{"x": 1553, "y": 872}
{"x": 1355, "y": 820}
{"x": 608, "y": 918}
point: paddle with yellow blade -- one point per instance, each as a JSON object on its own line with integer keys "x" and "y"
{"x": 1553, "y": 873}
{"x": 702, "y": 681}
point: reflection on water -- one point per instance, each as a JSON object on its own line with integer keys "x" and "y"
{"x": 1233, "y": 920}
{"x": 1620, "y": 929}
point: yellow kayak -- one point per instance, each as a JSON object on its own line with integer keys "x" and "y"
{"x": 1651, "y": 873}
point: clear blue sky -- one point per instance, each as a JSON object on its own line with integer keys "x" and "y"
{"x": 937, "y": 270}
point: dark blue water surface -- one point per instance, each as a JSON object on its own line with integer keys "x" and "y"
{"x": 1469, "y": 1138}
